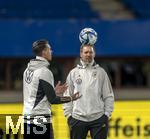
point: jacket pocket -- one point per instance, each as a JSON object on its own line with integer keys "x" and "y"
{"x": 104, "y": 119}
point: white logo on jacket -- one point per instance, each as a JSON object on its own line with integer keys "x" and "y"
{"x": 28, "y": 76}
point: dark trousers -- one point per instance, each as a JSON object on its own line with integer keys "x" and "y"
{"x": 32, "y": 131}
{"x": 79, "y": 129}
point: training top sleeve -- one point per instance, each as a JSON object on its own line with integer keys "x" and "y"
{"x": 47, "y": 83}
{"x": 108, "y": 95}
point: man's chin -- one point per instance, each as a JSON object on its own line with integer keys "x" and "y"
{"x": 87, "y": 62}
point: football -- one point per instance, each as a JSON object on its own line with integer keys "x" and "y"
{"x": 88, "y": 36}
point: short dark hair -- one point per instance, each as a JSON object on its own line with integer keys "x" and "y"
{"x": 38, "y": 46}
{"x": 85, "y": 45}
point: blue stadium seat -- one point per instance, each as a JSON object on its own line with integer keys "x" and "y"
{"x": 140, "y": 7}
{"x": 46, "y": 9}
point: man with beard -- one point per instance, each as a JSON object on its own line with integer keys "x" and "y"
{"x": 92, "y": 111}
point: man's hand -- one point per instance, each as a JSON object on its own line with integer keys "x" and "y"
{"x": 75, "y": 96}
{"x": 70, "y": 98}
{"x": 60, "y": 89}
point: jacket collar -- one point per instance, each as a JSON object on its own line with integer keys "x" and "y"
{"x": 84, "y": 65}
{"x": 40, "y": 58}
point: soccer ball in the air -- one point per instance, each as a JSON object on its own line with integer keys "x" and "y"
{"x": 88, "y": 36}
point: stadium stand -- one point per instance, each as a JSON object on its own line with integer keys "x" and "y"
{"x": 114, "y": 39}
{"x": 112, "y": 9}
{"x": 22, "y": 22}
{"x": 46, "y": 9}
{"x": 141, "y": 8}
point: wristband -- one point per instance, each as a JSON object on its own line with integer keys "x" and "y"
{"x": 71, "y": 98}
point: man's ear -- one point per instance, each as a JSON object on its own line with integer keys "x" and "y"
{"x": 43, "y": 53}
{"x": 94, "y": 53}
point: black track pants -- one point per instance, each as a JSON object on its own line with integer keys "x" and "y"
{"x": 79, "y": 129}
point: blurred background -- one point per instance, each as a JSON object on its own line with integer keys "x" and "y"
{"x": 122, "y": 49}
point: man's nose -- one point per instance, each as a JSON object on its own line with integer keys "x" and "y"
{"x": 88, "y": 54}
